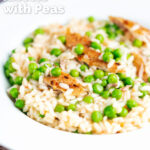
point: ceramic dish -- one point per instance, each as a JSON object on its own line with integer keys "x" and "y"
{"x": 18, "y": 128}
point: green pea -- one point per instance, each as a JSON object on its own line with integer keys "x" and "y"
{"x": 57, "y": 64}
{"x": 27, "y": 41}
{"x": 98, "y": 74}
{"x": 56, "y": 52}
{"x": 104, "y": 82}
{"x": 59, "y": 108}
{"x": 128, "y": 56}
{"x": 112, "y": 78}
{"x": 111, "y": 35}
{"x": 96, "y": 116}
{"x": 122, "y": 43}
{"x": 13, "y": 51}
{"x": 39, "y": 31}
{"x": 11, "y": 80}
{"x": 74, "y": 73}
{"x": 128, "y": 81}
{"x": 48, "y": 65}
{"x": 110, "y": 112}
{"x": 62, "y": 39}
{"x": 111, "y": 89}
{"x": 137, "y": 43}
{"x": 56, "y": 72}
{"x": 79, "y": 49}
{"x": 117, "y": 93}
{"x": 88, "y": 33}
{"x": 90, "y": 132}
{"x": 118, "y": 60}
{"x": 20, "y": 103}
{"x": 18, "y": 80}
{"x": 8, "y": 63}
{"x": 110, "y": 50}
{"x": 32, "y": 67}
{"x": 121, "y": 84}
{"x": 117, "y": 53}
{"x": 83, "y": 67}
{"x": 115, "y": 26}
{"x": 144, "y": 93}
{"x": 123, "y": 112}
{"x": 27, "y": 46}
{"x": 119, "y": 31}
{"x": 36, "y": 75}
{"x": 105, "y": 94}
{"x": 96, "y": 45}
{"x": 14, "y": 92}
{"x": 43, "y": 60}
{"x": 89, "y": 79}
{"x": 106, "y": 73}
{"x": 107, "y": 56}
{"x": 7, "y": 73}
{"x": 100, "y": 37}
{"x": 43, "y": 68}
{"x": 97, "y": 88}
{"x": 31, "y": 58}
{"x": 91, "y": 19}
{"x": 76, "y": 131}
{"x": 42, "y": 116}
{"x": 72, "y": 107}
{"x": 9, "y": 67}
{"x": 88, "y": 99}
{"x": 29, "y": 77}
{"x": 143, "y": 84}
{"x": 131, "y": 103}
{"x": 11, "y": 59}
{"x": 122, "y": 76}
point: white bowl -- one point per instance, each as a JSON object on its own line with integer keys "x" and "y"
{"x": 19, "y": 132}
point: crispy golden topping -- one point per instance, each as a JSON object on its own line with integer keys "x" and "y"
{"x": 67, "y": 79}
{"x": 72, "y": 39}
{"x": 138, "y": 62}
{"x": 132, "y": 29}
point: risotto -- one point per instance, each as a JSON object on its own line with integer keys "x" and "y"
{"x": 88, "y": 76}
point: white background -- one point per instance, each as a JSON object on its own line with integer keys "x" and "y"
{"x": 20, "y": 132}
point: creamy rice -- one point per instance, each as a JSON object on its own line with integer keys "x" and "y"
{"x": 41, "y": 99}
